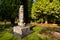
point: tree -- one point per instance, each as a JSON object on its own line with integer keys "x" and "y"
{"x": 29, "y": 9}
{"x": 45, "y": 9}
{"x": 9, "y": 9}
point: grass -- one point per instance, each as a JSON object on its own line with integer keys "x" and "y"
{"x": 5, "y": 32}
{"x": 38, "y": 34}
{"x": 34, "y": 35}
{"x": 41, "y": 33}
{"x": 5, "y": 35}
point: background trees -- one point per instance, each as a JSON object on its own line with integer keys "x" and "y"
{"x": 42, "y": 10}
{"x": 9, "y": 9}
{"x": 46, "y": 10}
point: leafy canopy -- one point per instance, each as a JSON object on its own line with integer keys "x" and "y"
{"x": 44, "y": 8}
{"x": 9, "y": 8}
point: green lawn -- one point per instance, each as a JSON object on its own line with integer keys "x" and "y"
{"x": 34, "y": 35}
{"x": 6, "y": 35}
{"x": 41, "y": 30}
{"x": 5, "y": 32}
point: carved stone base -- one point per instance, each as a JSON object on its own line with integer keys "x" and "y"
{"x": 21, "y": 31}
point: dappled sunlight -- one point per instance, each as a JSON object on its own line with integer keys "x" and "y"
{"x": 46, "y": 25}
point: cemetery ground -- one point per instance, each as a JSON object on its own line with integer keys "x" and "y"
{"x": 40, "y": 32}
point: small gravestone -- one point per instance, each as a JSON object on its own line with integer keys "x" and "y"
{"x": 21, "y": 30}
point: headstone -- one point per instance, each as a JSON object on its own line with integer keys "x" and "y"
{"x": 21, "y": 30}
{"x": 21, "y": 13}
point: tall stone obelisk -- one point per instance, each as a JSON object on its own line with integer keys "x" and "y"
{"x": 21, "y": 29}
{"x": 21, "y": 15}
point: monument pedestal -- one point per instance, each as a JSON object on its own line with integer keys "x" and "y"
{"x": 21, "y": 31}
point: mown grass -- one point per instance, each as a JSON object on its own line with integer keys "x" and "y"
{"x": 41, "y": 31}
{"x": 6, "y": 35}
{"x": 34, "y": 35}
{"x": 5, "y": 32}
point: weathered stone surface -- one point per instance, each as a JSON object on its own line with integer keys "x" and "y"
{"x": 21, "y": 13}
{"x": 21, "y": 31}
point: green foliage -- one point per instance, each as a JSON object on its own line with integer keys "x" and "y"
{"x": 29, "y": 7}
{"x": 45, "y": 34}
{"x": 45, "y": 9}
{"x": 4, "y": 35}
{"x": 34, "y": 35}
{"x": 9, "y": 8}
{"x": 37, "y": 29}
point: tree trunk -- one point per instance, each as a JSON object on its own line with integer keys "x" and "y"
{"x": 5, "y": 24}
{"x": 41, "y": 22}
{"x": 46, "y": 21}
{"x": 12, "y": 22}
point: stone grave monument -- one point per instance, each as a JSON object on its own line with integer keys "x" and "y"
{"x": 21, "y": 30}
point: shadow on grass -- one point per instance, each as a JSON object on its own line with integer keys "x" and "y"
{"x": 5, "y": 26}
{"x": 58, "y": 24}
{"x": 2, "y": 26}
